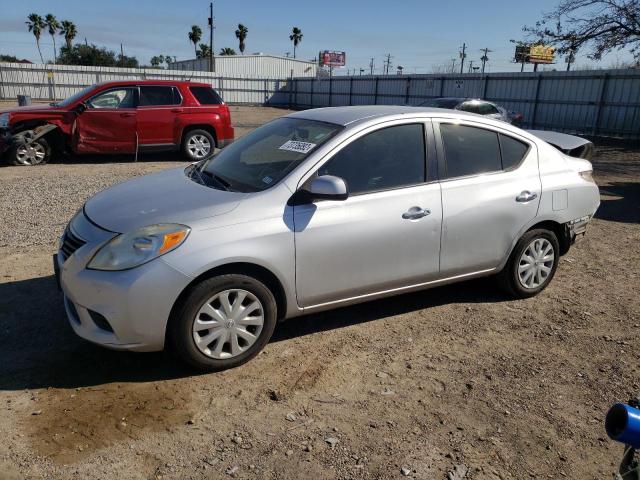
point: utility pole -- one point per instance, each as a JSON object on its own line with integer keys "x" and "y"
{"x": 470, "y": 66}
{"x": 453, "y": 65}
{"x": 463, "y": 55}
{"x": 570, "y": 58}
{"x": 387, "y": 64}
{"x": 485, "y": 57}
{"x": 121, "y": 56}
{"x": 371, "y": 65}
{"x": 212, "y": 59}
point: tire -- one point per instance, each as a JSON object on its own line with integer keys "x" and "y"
{"x": 534, "y": 278}
{"x": 203, "y": 305}
{"x": 37, "y": 153}
{"x": 198, "y": 145}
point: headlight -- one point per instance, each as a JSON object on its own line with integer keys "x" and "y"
{"x": 4, "y": 120}
{"x": 132, "y": 249}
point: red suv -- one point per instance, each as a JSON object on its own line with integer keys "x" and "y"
{"x": 120, "y": 117}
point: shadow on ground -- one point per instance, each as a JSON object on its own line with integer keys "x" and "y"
{"x": 38, "y": 348}
{"x": 620, "y": 202}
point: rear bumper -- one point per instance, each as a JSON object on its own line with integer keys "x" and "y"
{"x": 578, "y": 228}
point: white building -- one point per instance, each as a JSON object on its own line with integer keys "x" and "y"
{"x": 251, "y": 66}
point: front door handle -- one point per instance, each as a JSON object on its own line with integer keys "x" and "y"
{"x": 126, "y": 114}
{"x": 526, "y": 196}
{"x": 415, "y": 213}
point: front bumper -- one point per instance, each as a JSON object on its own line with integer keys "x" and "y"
{"x": 126, "y": 310}
{"x": 6, "y": 140}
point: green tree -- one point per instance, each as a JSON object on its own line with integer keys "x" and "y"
{"x": 204, "y": 51}
{"x": 168, "y": 59}
{"x": 8, "y": 58}
{"x": 157, "y": 60}
{"x": 36, "y": 24}
{"x": 241, "y": 35}
{"x": 195, "y": 35}
{"x": 68, "y": 31}
{"x": 604, "y": 25}
{"x": 91, "y": 55}
{"x": 296, "y": 38}
{"x": 52, "y": 26}
{"x": 227, "y": 51}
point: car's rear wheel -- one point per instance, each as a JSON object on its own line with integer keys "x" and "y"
{"x": 25, "y": 153}
{"x": 198, "y": 145}
{"x": 532, "y": 264}
{"x": 223, "y": 322}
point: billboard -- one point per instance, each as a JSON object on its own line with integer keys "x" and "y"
{"x": 327, "y": 58}
{"x": 534, "y": 54}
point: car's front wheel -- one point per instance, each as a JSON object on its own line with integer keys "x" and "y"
{"x": 532, "y": 264}
{"x": 224, "y": 322}
{"x": 198, "y": 145}
{"x": 25, "y": 153}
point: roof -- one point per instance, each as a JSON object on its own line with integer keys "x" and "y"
{"x": 346, "y": 115}
{"x": 152, "y": 82}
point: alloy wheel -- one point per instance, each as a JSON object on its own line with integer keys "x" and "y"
{"x": 198, "y": 146}
{"x": 228, "y": 324}
{"x": 30, "y": 154}
{"x": 536, "y": 263}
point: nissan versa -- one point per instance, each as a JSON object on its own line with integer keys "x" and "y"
{"x": 315, "y": 210}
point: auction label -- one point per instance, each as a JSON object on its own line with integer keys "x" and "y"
{"x": 296, "y": 146}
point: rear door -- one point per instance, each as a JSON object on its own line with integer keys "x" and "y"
{"x": 490, "y": 192}
{"x": 158, "y": 110}
{"x": 108, "y": 125}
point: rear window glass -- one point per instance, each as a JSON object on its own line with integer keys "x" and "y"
{"x": 159, "y": 95}
{"x": 470, "y": 150}
{"x": 513, "y": 151}
{"x": 206, "y": 95}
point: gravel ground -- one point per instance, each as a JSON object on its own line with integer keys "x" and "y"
{"x": 458, "y": 380}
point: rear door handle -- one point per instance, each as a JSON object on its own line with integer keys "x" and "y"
{"x": 415, "y": 213}
{"x": 176, "y": 110}
{"x": 526, "y": 196}
{"x": 126, "y": 114}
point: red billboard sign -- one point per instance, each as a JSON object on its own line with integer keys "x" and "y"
{"x": 332, "y": 59}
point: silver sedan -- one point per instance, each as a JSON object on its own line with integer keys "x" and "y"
{"x": 319, "y": 209}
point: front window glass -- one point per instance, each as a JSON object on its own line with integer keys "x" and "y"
{"x": 75, "y": 97}
{"x": 116, "y": 98}
{"x": 388, "y": 158}
{"x": 263, "y": 157}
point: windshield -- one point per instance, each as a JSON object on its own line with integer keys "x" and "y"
{"x": 442, "y": 103}
{"x": 263, "y": 157}
{"x": 73, "y": 98}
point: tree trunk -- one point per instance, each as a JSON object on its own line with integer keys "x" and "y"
{"x": 55, "y": 52}
{"x": 38, "y": 45}
{"x": 68, "y": 40}
{"x": 294, "y": 50}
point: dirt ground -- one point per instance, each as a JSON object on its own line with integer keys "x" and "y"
{"x": 452, "y": 380}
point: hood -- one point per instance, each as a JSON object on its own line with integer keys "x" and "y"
{"x": 31, "y": 108}
{"x": 164, "y": 197}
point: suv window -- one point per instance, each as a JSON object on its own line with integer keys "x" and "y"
{"x": 387, "y": 158}
{"x": 206, "y": 95}
{"x": 470, "y": 150}
{"x": 116, "y": 98}
{"x": 513, "y": 151}
{"x": 159, "y": 95}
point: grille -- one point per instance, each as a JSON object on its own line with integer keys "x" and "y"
{"x": 70, "y": 243}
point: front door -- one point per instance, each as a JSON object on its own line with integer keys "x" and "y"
{"x": 108, "y": 125}
{"x": 158, "y": 109}
{"x": 386, "y": 235}
{"x": 490, "y": 192}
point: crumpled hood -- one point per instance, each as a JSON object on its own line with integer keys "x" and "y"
{"x": 32, "y": 109}
{"x": 164, "y": 197}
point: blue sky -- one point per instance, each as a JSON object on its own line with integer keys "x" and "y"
{"x": 418, "y": 34}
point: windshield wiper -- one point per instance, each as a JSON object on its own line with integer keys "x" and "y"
{"x": 224, "y": 185}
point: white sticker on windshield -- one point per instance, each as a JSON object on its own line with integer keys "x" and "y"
{"x": 296, "y": 146}
{"x": 267, "y": 180}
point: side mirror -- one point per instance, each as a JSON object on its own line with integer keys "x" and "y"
{"x": 328, "y": 187}
{"x": 81, "y": 107}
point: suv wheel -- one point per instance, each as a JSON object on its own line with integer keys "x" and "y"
{"x": 224, "y": 322}
{"x": 37, "y": 152}
{"x": 532, "y": 264}
{"x": 198, "y": 145}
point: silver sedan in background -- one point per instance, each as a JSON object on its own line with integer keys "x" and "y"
{"x": 319, "y": 209}
{"x": 478, "y": 106}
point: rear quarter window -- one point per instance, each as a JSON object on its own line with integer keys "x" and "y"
{"x": 513, "y": 151}
{"x": 206, "y": 95}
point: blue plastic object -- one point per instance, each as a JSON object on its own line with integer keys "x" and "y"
{"x": 623, "y": 424}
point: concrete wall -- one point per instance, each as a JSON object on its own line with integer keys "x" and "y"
{"x": 252, "y": 66}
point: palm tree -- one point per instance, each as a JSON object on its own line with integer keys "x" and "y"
{"x": 156, "y": 61}
{"x": 227, "y": 51}
{"x": 169, "y": 59}
{"x": 204, "y": 51}
{"x": 194, "y": 37}
{"x": 241, "y": 35}
{"x": 53, "y": 26}
{"x": 296, "y": 38}
{"x": 36, "y": 25}
{"x": 68, "y": 30}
